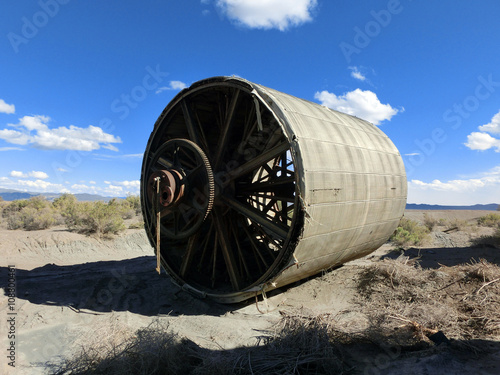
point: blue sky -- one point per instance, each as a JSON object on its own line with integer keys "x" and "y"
{"x": 82, "y": 83}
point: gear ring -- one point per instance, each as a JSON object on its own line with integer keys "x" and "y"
{"x": 187, "y": 187}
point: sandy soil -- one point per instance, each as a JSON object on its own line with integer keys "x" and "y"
{"x": 75, "y": 290}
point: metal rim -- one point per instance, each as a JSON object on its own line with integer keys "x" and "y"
{"x": 249, "y": 234}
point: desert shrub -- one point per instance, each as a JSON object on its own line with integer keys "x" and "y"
{"x": 430, "y": 222}
{"x": 13, "y": 207}
{"x": 66, "y": 202}
{"x": 490, "y": 220}
{"x": 30, "y": 214}
{"x": 409, "y": 232}
{"x": 65, "y": 207}
{"x": 136, "y": 225}
{"x": 96, "y": 217}
{"x": 134, "y": 202}
{"x": 36, "y": 219}
{"x": 14, "y": 221}
{"x": 460, "y": 224}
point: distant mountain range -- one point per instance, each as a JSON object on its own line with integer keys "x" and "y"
{"x": 487, "y": 207}
{"x": 12, "y": 195}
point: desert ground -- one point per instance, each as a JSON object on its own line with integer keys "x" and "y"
{"x": 396, "y": 311}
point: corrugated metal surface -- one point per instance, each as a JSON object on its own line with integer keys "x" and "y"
{"x": 350, "y": 181}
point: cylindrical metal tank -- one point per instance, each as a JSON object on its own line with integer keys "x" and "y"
{"x": 254, "y": 188}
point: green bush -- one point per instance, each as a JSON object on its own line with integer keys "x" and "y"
{"x": 36, "y": 219}
{"x": 134, "y": 202}
{"x": 490, "y": 220}
{"x": 87, "y": 217}
{"x": 30, "y": 214}
{"x": 96, "y": 217}
{"x": 409, "y": 232}
{"x": 65, "y": 207}
{"x": 14, "y": 207}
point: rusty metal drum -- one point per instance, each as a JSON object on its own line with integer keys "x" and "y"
{"x": 245, "y": 189}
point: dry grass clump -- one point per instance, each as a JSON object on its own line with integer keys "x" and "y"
{"x": 152, "y": 350}
{"x": 462, "y": 301}
{"x": 406, "y": 315}
{"x": 461, "y": 225}
{"x": 298, "y": 345}
{"x": 490, "y": 220}
{"x": 430, "y": 222}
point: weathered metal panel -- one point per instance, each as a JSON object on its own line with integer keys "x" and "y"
{"x": 350, "y": 181}
{"x": 353, "y": 184}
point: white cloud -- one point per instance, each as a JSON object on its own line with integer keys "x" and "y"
{"x": 482, "y": 142}
{"x": 355, "y": 73}
{"x": 35, "y": 174}
{"x": 268, "y": 14}
{"x": 11, "y": 149}
{"x": 123, "y": 157}
{"x": 363, "y": 104}
{"x": 40, "y": 186}
{"x": 38, "y": 174}
{"x": 172, "y": 85}
{"x": 493, "y": 127}
{"x": 413, "y": 154}
{"x": 115, "y": 189}
{"x": 15, "y": 137}
{"x": 61, "y": 138}
{"x": 17, "y": 174}
{"x": 7, "y": 108}
{"x": 133, "y": 183}
{"x": 122, "y": 188}
{"x": 80, "y": 187}
{"x": 482, "y": 189}
{"x": 453, "y": 185}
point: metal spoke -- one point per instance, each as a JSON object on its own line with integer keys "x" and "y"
{"x": 281, "y": 184}
{"x": 241, "y": 257}
{"x": 214, "y": 257}
{"x": 276, "y": 197}
{"x": 165, "y": 163}
{"x": 205, "y": 247}
{"x": 188, "y": 257}
{"x": 258, "y": 161}
{"x": 257, "y": 217}
{"x": 225, "y": 128}
{"x": 257, "y": 253}
{"x": 193, "y": 134}
{"x": 224, "y": 241}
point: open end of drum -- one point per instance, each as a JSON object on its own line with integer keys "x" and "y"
{"x": 219, "y": 174}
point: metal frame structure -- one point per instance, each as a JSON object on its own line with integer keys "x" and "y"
{"x": 254, "y": 189}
